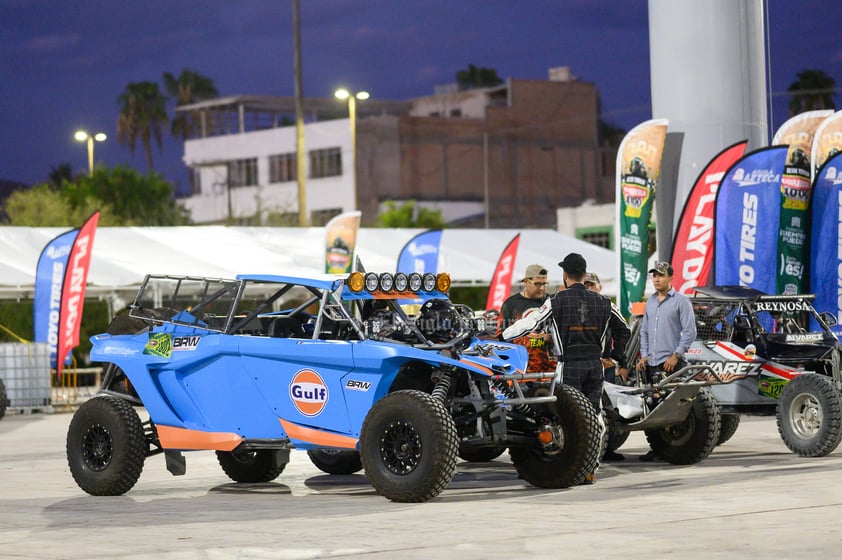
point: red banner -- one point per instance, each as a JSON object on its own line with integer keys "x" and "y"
{"x": 501, "y": 283}
{"x": 692, "y": 249}
{"x": 73, "y": 290}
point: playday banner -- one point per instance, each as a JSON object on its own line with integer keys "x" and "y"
{"x": 826, "y": 239}
{"x": 796, "y": 182}
{"x": 692, "y": 248}
{"x": 638, "y": 168}
{"x": 501, "y": 283}
{"x": 60, "y": 280}
{"x": 340, "y": 242}
{"x": 748, "y": 205}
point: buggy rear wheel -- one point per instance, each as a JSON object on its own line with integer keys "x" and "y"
{"x": 106, "y": 446}
{"x": 693, "y": 439}
{"x": 259, "y": 465}
{"x": 810, "y": 415}
{"x": 575, "y": 449}
{"x": 336, "y": 461}
{"x": 729, "y": 422}
{"x": 408, "y": 446}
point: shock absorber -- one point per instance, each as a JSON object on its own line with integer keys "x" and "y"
{"x": 442, "y": 387}
{"x": 506, "y": 389}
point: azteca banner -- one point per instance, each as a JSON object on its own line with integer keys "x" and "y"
{"x": 638, "y": 168}
{"x": 797, "y": 133}
{"x": 826, "y": 239}
{"x": 501, "y": 283}
{"x": 746, "y": 220}
{"x": 421, "y": 253}
{"x": 340, "y": 241}
{"x": 692, "y": 248}
{"x": 827, "y": 141}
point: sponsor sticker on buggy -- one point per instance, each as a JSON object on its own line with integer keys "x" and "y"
{"x": 355, "y": 385}
{"x": 159, "y": 344}
{"x": 770, "y": 386}
{"x": 308, "y": 392}
{"x": 782, "y": 306}
{"x": 120, "y": 351}
{"x": 806, "y": 338}
{"x": 181, "y": 343}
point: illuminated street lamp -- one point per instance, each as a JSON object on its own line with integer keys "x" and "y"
{"x": 352, "y": 116}
{"x": 83, "y": 136}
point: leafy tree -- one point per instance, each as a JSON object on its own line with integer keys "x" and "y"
{"x": 474, "y": 77}
{"x": 60, "y": 173}
{"x": 143, "y": 112}
{"x": 814, "y": 89}
{"x": 123, "y": 196}
{"x": 407, "y": 215}
{"x": 187, "y": 88}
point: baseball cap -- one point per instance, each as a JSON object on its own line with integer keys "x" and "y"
{"x": 591, "y": 277}
{"x": 574, "y": 263}
{"x": 534, "y": 270}
{"x": 663, "y": 268}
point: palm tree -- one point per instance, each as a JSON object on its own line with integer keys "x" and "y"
{"x": 187, "y": 88}
{"x": 143, "y": 113}
{"x": 475, "y": 77}
{"x": 814, "y": 89}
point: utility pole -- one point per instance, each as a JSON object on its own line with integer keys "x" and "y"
{"x": 301, "y": 168}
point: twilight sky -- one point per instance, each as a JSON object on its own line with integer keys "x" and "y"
{"x": 63, "y": 64}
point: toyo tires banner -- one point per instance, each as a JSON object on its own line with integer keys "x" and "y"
{"x": 826, "y": 239}
{"x": 692, "y": 248}
{"x": 748, "y": 205}
{"x": 638, "y": 168}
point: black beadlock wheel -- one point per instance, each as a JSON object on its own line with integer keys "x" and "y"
{"x": 576, "y": 448}
{"x": 259, "y": 465}
{"x": 693, "y": 439}
{"x": 729, "y": 424}
{"x": 408, "y": 446}
{"x": 336, "y": 461}
{"x": 106, "y": 446}
{"x": 810, "y": 415}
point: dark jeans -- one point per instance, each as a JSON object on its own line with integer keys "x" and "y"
{"x": 587, "y": 376}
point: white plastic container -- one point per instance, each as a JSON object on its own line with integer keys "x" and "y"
{"x": 25, "y": 370}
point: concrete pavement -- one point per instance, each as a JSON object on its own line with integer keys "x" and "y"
{"x": 751, "y": 497}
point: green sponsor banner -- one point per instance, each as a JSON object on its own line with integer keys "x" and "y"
{"x": 638, "y": 167}
{"x": 159, "y": 344}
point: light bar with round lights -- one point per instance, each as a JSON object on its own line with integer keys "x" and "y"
{"x": 415, "y": 282}
{"x": 401, "y": 281}
{"x": 387, "y": 281}
{"x": 371, "y": 281}
{"x": 429, "y": 282}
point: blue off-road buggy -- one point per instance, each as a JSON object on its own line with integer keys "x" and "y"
{"x": 259, "y": 365}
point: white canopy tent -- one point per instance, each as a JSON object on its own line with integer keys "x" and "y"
{"x": 122, "y": 256}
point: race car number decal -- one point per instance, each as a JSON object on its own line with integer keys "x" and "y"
{"x": 308, "y": 392}
{"x": 159, "y": 344}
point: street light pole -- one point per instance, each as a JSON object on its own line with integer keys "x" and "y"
{"x": 352, "y": 116}
{"x": 83, "y": 136}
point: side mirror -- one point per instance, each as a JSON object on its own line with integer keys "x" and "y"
{"x": 828, "y": 317}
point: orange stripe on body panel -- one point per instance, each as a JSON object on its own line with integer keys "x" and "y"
{"x": 182, "y": 438}
{"x": 318, "y": 437}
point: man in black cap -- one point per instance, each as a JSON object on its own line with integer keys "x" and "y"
{"x": 581, "y": 317}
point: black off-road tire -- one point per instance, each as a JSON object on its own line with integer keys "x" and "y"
{"x": 408, "y": 446}
{"x": 729, "y": 422}
{"x": 336, "y": 461}
{"x": 4, "y": 400}
{"x": 580, "y": 444}
{"x": 693, "y": 439}
{"x": 481, "y": 454}
{"x": 614, "y": 436}
{"x": 810, "y": 415}
{"x": 259, "y": 465}
{"x": 106, "y": 446}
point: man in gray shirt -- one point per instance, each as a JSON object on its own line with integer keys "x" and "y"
{"x": 668, "y": 327}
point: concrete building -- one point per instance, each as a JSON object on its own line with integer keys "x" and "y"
{"x": 505, "y": 157}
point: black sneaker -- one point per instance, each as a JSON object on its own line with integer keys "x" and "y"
{"x": 649, "y": 457}
{"x": 613, "y": 456}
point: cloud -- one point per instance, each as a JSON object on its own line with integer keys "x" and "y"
{"x": 48, "y": 44}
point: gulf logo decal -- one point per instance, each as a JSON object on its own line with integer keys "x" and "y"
{"x": 308, "y": 392}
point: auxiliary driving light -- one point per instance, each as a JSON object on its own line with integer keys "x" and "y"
{"x": 356, "y": 282}
{"x": 386, "y": 281}
{"x": 415, "y": 282}
{"x": 429, "y": 282}
{"x": 401, "y": 281}
{"x": 371, "y": 281}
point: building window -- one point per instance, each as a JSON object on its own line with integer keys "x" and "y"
{"x": 325, "y": 163}
{"x": 195, "y": 180}
{"x": 282, "y": 168}
{"x": 322, "y": 217}
{"x": 242, "y": 173}
{"x": 602, "y": 236}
